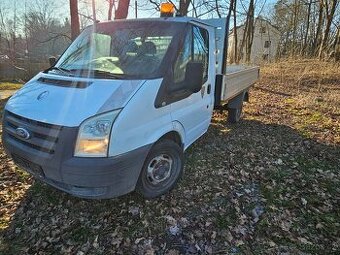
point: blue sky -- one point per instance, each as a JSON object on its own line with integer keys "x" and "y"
{"x": 60, "y": 8}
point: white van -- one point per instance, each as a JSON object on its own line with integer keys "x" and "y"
{"x": 118, "y": 109}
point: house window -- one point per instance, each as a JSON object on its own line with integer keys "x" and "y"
{"x": 267, "y": 44}
{"x": 262, "y": 30}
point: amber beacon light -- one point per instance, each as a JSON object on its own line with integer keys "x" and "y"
{"x": 167, "y": 10}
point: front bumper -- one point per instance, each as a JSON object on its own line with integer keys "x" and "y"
{"x": 81, "y": 177}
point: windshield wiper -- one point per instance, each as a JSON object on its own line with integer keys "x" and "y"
{"x": 60, "y": 69}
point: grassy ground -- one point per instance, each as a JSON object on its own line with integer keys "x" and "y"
{"x": 10, "y": 85}
{"x": 267, "y": 185}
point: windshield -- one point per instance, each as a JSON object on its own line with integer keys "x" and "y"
{"x": 119, "y": 50}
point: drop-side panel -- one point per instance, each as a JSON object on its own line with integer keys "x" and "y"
{"x": 237, "y": 81}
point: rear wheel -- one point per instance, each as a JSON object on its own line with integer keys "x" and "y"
{"x": 162, "y": 169}
{"x": 234, "y": 114}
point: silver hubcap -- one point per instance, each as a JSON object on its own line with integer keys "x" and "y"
{"x": 159, "y": 169}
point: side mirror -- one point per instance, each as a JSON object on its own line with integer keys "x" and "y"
{"x": 52, "y": 60}
{"x": 194, "y": 76}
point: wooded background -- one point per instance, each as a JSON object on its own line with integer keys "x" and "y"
{"x": 44, "y": 28}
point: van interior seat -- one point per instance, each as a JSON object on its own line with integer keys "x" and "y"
{"x": 147, "y": 48}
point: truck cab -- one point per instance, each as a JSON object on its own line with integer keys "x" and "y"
{"x": 118, "y": 109}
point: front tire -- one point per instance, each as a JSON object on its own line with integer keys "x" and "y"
{"x": 162, "y": 169}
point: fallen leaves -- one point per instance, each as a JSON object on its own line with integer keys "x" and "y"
{"x": 268, "y": 185}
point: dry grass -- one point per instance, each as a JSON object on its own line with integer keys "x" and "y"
{"x": 309, "y": 91}
{"x": 10, "y": 85}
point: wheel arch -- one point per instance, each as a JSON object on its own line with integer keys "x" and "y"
{"x": 246, "y": 96}
{"x": 173, "y": 136}
{"x": 237, "y": 101}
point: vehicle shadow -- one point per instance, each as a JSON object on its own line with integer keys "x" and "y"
{"x": 221, "y": 165}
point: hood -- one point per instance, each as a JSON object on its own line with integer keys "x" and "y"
{"x": 57, "y": 100}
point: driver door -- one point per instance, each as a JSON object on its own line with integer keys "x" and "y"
{"x": 194, "y": 112}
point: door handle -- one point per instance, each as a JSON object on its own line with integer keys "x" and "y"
{"x": 209, "y": 88}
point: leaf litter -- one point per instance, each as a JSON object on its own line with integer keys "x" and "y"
{"x": 267, "y": 185}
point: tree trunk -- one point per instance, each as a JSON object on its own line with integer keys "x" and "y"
{"x": 243, "y": 42}
{"x": 94, "y": 15}
{"x": 183, "y": 7}
{"x": 250, "y": 32}
{"x": 123, "y": 9}
{"x": 217, "y": 9}
{"x": 317, "y": 39}
{"x": 75, "y": 26}
{"x": 337, "y": 46}
{"x": 235, "y": 33}
{"x": 304, "y": 47}
{"x": 109, "y": 12}
{"x": 329, "y": 16}
{"x": 14, "y": 37}
{"x": 295, "y": 23}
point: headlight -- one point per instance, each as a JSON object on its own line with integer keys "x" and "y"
{"x": 94, "y": 135}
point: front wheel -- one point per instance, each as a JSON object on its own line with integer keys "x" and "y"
{"x": 162, "y": 169}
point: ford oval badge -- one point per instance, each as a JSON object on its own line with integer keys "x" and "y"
{"x": 23, "y": 133}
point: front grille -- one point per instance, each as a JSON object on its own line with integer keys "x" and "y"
{"x": 43, "y": 136}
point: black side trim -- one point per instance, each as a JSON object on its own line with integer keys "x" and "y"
{"x": 65, "y": 83}
{"x": 165, "y": 96}
{"x": 218, "y": 90}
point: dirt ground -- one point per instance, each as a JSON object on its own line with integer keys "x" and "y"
{"x": 267, "y": 185}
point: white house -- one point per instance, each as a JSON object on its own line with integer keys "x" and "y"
{"x": 265, "y": 43}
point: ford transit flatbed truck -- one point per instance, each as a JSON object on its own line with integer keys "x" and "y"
{"x": 116, "y": 112}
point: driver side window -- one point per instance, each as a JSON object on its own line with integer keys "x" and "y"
{"x": 195, "y": 48}
{"x": 183, "y": 58}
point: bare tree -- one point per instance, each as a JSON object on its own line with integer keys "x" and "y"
{"x": 45, "y": 34}
{"x": 4, "y": 30}
{"x": 183, "y": 7}
{"x": 250, "y": 31}
{"x": 317, "y": 39}
{"x": 13, "y": 33}
{"x": 304, "y": 47}
{"x": 236, "y": 60}
{"x": 122, "y": 10}
{"x": 307, "y": 26}
{"x": 110, "y": 9}
{"x": 94, "y": 11}
{"x": 75, "y": 26}
{"x": 218, "y": 9}
{"x": 248, "y": 34}
{"x": 296, "y": 13}
{"x": 330, "y": 8}
{"x": 337, "y": 45}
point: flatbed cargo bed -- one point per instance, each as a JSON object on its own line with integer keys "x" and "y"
{"x": 238, "y": 78}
